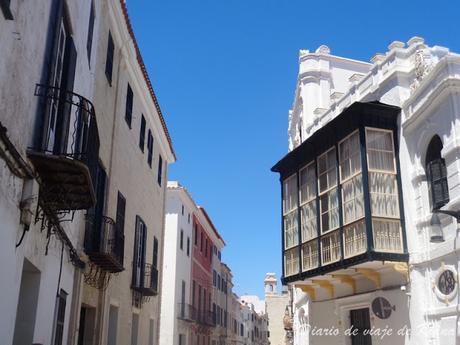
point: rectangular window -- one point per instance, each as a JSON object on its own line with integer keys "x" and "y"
{"x": 121, "y": 209}
{"x": 109, "y": 59}
{"x": 291, "y": 230}
{"x": 291, "y": 262}
{"x": 201, "y": 241}
{"x": 329, "y": 210}
{"x": 160, "y": 170}
{"x": 310, "y": 255}
{"x": 181, "y": 244}
{"x": 327, "y": 180}
{"x": 129, "y": 106}
{"x": 327, "y": 170}
{"x": 383, "y": 189}
{"x": 113, "y": 326}
{"x": 151, "y": 332}
{"x": 330, "y": 248}
{"x": 134, "y": 329}
{"x": 89, "y": 39}
{"x": 351, "y": 179}
{"x": 193, "y": 292}
{"x": 154, "y": 272}
{"x": 142, "y": 133}
{"x": 182, "y": 339}
{"x": 308, "y": 202}
{"x": 206, "y": 248}
{"x": 218, "y": 281}
{"x": 149, "y": 148}
{"x": 214, "y": 276}
{"x": 188, "y": 246}
{"x": 355, "y": 239}
{"x": 387, "y": 235}
{"x": 139, "y": 252}
{"x": 59, "y": 318}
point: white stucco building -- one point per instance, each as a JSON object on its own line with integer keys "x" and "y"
{"x": 176, "y": 311}
{"x": 373, "y": 159}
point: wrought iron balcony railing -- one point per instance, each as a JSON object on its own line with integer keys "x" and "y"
{"x": 186, "y": 312}
{"x": 104, "y": 243}
{"x": 67, "y": 150}
{"x": 146, "y": 281}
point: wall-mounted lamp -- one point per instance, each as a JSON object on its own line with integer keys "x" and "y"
{"x": 436, "y": 234}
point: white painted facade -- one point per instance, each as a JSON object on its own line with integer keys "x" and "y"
{"x": 425, "y": 83}
{"x": 180, "y": 208}
{"x": 22, "y": 65}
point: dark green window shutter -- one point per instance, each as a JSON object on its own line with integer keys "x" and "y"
{"x": 437, "y": 183}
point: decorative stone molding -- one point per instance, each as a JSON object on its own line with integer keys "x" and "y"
{"x": 396, "y": 45}
{"x": 378, "y": 57}
{"x": 422, "y": 66}
{"x": 415, "y": 40}
{"x": 356, "y": 77}
{"x": 323, "y": 49}
{"x": 335, "y": 96}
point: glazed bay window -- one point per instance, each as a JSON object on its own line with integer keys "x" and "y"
{"x": 308, "y": 215}
{"x": 327, "y": 181}
{"x": 383, "y": 189}
{"x": 290, "y": 196}
{"x": 341, "y": 195}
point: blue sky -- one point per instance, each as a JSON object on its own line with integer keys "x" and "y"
{"x": 224, "y": 72}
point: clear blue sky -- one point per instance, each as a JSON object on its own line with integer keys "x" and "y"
{"x": 224, "y": 72}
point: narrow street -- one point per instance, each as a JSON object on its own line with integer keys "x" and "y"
{"x": 186, "y": 173}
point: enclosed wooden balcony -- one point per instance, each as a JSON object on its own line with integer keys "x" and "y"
{"x": 104, "y": 243}
{"x": 66, "y": 149}
{"x": 341, "y": 192}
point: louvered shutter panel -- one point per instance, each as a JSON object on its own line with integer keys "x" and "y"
{"x": 437, "y": 182}
{"x": 120, "y": 223}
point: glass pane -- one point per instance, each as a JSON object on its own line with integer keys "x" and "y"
{"x": 310, "y": 255}
{"x": 384, "y": 195}
{"x": 329, "y": 211}
{"x": 307, "y": 183}
{"x": 291, "y": 232}
{"x": 290, "y": 194}
{"x": 355, "y": 239}
{"x": 387, "y": 235}
{"x": 352, "y": 198}
{"x": 291, "y": 262}
{"x": 330, "y": 248}
{"x": 327, "y": 173}
{"x": 350, "y": 159}
{"x": 380, "y": 150}
{"x": 308, "y": 221}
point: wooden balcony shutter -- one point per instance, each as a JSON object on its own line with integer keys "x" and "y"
{"x": 120, "y": 223}
{"x": 437, "y": 183}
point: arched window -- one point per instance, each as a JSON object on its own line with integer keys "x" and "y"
{"x": 436, "y": 174}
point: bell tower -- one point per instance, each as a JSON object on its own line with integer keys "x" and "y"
{"x": 270, "y": 284}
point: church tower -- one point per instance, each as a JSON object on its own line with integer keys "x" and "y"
{"x": 270, "y": 284}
